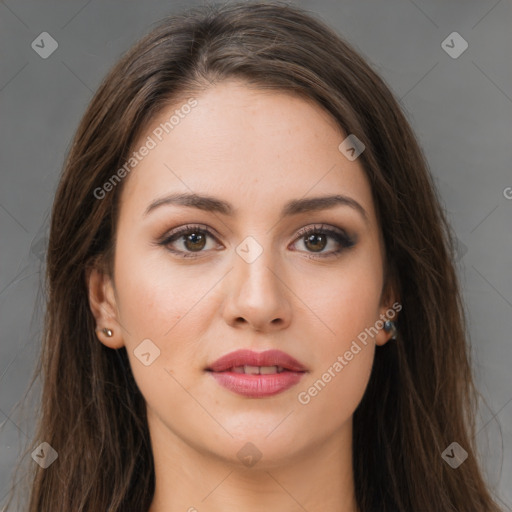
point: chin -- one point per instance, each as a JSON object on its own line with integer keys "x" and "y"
{"x": 264, "y": 447}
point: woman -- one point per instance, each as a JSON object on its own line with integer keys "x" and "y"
{"x": 252, "y": 297}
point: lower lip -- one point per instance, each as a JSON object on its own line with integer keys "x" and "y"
{"x": 257, "y": 386}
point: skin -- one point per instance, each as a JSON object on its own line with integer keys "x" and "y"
{"x": 257, "y": 150}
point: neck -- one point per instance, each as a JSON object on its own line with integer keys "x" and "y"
{"x": 318, "y": 479}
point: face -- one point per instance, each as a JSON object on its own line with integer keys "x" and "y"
{"x": 192, "y": 284}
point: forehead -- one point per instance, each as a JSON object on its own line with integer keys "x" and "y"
{"x": 255, "y": 148}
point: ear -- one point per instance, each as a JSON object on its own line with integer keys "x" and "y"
{"x": 103, "y": 306}
{"x": 390, "y": 306}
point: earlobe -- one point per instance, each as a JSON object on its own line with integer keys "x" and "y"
{"x": 104, "y": 308}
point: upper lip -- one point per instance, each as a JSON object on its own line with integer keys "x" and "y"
{"x": 252, "y": 358}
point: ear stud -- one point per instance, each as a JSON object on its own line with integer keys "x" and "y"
{"x": 389, "y": 326}
{"x": 108, "y": 332}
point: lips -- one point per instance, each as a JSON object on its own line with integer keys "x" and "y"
{"x": 257, "y": 374}
{"x": 251, "y": 360}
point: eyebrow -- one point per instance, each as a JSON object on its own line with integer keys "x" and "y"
{"x": 293, "y": 207}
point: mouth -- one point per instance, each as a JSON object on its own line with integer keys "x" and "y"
{"x": 258, "y": 370}
{"x": 257, "y": 374}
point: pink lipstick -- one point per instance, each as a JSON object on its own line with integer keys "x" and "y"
{"x": 257, "y": 374}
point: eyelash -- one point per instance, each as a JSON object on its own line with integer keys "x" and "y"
{"x": 343, "y": 239}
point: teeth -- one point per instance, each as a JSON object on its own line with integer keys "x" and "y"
{"x": 257, "y": 370}
{"x": 265, "y": 370}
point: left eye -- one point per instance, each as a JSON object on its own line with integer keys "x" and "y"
{"x": 314, "y": 238}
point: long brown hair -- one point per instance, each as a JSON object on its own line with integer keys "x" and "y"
{"x": 421, "y": 396}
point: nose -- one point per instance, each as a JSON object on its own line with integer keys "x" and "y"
{"x": 257, "y": 295}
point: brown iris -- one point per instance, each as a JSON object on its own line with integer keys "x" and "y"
{"x": 195, "y": 238}
{"x": 315, "y": 237}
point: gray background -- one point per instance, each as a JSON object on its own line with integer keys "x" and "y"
{"x": 460, "y": 109}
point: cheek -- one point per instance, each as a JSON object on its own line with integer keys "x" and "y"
{"x": 169, "y": 304}
{"x": 343, "y": 361}
{"x": 347, "y": 303}
{"x": 154, "y": 294}
{"x": 333, "y": 393}
{"x": 344, "y": 301}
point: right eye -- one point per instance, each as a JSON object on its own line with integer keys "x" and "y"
{"x": 194, "y": 239}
